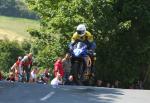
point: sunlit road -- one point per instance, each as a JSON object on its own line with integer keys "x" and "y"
{"x": 39, "y": 93}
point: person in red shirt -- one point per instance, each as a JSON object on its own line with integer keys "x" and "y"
{"x": 58, "y": 67}
{"x": 15, "y": 68}
{"x": 26, "y": 65}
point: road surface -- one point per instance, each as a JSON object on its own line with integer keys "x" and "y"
{"x": 40, "y": 93}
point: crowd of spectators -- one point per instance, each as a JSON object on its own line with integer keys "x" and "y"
{"x": 23, "y": 70}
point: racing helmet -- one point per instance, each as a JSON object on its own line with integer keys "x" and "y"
{"x": 81, "y": 29}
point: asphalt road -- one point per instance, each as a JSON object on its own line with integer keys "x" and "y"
{"x": 40, "y": 93}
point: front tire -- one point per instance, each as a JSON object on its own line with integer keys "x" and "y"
{"x": 77, "y": 67}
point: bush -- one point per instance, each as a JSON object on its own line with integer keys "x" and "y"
{"x": 10, "y": 50}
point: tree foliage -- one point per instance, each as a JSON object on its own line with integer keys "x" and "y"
{"x": 10, "y": 50}
{"x": 120, "y": 27}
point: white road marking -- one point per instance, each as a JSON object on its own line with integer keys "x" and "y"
{"x": 47, "y": 96}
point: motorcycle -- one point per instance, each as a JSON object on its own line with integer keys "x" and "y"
{"x": 82, "y": 73}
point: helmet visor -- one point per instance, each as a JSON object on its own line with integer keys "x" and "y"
{"x": 80, "y": 32}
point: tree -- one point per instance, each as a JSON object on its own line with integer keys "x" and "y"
{"x": 10, "y": 50}
{"x": 120, "y": 27}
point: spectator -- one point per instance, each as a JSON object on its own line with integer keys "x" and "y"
{"x": 45, "y": 77}
{"x": 108, "y": 85}
{"x": 11, "y": 77}
{"x": 116, "y": 84}
{"x": 15, "y": 68}
{"x": 57, "y": 80}
{"x": 139, "y": 85}
{"x": 66, "y": 66}
{"x": 1, "y": 76}
{"x": 33, "y": 75}
{"x": 26, "y": 65}
{"x": 99, "y": 83}
{"x": 58, "y": 67}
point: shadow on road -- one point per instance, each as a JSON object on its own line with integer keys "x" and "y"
{"x": 38, "y": 93}
{"x": 93, "y": 94}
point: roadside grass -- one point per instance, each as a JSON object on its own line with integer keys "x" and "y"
{"x": 16, "y": 28}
